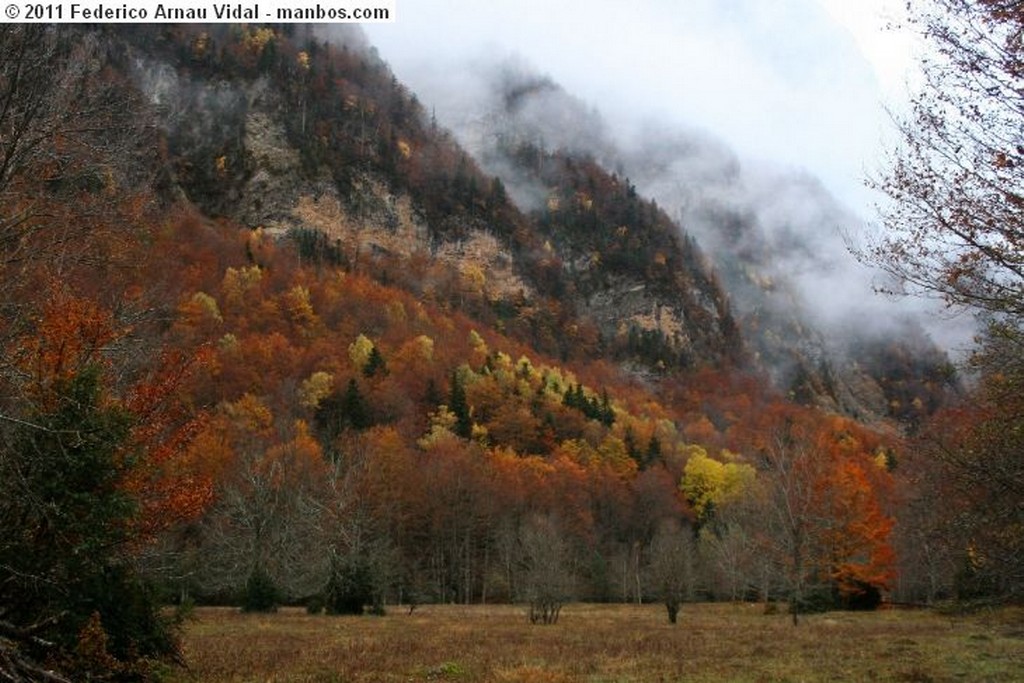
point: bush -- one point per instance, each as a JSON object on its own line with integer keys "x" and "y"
{"x": 350, "y": 587}
{"x": 863, "y": 597}
{"x": 315, "y": 604}
{"x": 815, "y": 600}
{"x": 131, "y": 614}
{"x": 261, "y": 594}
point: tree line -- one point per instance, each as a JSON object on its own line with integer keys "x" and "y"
{"x": 191, "y": 412}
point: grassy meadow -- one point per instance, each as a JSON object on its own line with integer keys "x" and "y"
{"x": 603, "y": 643}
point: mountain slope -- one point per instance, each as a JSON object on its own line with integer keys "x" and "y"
{"x": 299, "y": 348}
{"x": 803, "y": 307}
{"x": 313, "y": 135}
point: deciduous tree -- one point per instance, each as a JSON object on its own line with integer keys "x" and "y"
{"x": 671, "y": 566}
{"x": 547, "y": 576}
{"x": 84, "y": 467}
{"x": 265, "y": 518}
{"x": 973, "y": 451}
{"x": 825, "y": 523}
{"x": 954, "y": 228}
{"x": 955, "y": 225}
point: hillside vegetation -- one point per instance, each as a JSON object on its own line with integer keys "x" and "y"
{"x": 271, "y": 338}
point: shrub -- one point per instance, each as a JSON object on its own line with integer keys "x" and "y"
{"x": 863, "y": 597}
{"x": 261, "y": 594}
{"x": 315, "y": 604}
{"x": 349, "y": 588}
{"x": 815, "y": 600}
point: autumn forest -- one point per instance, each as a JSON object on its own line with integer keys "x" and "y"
{"x": 270, "y": 338}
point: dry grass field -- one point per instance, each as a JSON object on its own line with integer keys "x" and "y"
{"x": 604, "y": 643}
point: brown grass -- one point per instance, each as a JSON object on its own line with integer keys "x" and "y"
{"x": 604, "y": 643}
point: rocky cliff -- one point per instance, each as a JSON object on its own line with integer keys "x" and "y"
{"x": 349, "y": 153}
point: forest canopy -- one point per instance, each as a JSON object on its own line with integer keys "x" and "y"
{"x": 197, "y": 410}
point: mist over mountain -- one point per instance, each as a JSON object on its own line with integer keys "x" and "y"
{"x": 780, "y": 241}
{"x": 775, "y": 240}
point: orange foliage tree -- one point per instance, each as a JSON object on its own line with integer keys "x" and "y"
{"x": 271, "y": 483}
{"x": 92, "y": 462}
{"x": 824, "y": 490}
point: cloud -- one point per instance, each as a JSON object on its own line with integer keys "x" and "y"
{"x": 766, "y": 113}
{"x": 780, "y": 81}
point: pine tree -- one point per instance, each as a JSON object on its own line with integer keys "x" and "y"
{"x": 355, "y": 411}
{"x": 66, "y": 520}
{"x": 432, "y": 396}
{"x": 607, "y": 414}
{"x": 653, "y": 453}
{"x": 459, "y": 405}
{"x": 340, "y": 412}
{"x": 629, "y": 439}
{"x": 261, "y": 594}
{"x": 375, "y": 364}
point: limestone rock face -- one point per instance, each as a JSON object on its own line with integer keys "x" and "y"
{"x": 233, "y": 157}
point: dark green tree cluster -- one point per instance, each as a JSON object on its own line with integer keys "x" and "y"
{"x": 261, "y": 593}
{"x": 592, "y": 407}
{"x": 343, "y": 411}
{"x": 350, "y": 587}
{"x": 459, "y": 405}
{"x": 652, "y": 348}
{"x": 316, "y": 248}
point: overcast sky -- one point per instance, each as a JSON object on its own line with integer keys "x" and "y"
{"x": 801, "y": 83}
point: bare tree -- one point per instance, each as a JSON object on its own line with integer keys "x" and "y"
{"x": 671, "y": 566}
{"x": 794, "y": 470}
{"x": 547, "y": 576}
{"x": 974, "y": 453}
{"x": 954, "y": 228}
{"x": 363, "y": 562}
{"x": 266, "y": 522}
{"x": 955, "y": 225}
{"x": 64, "y": 123}
{"x": 733, "y": 551}
{"x": 929, "y": 538}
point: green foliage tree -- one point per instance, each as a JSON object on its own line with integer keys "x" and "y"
{"x": 261, "y": 593}
{"x": 459, "y": 406}
{"x": 349, "y": 588}
{"x": 340, "y": 412}
{"x": 592, "y": 407}
{"x": 360, "y": 578}
{"x": 355, "y": 411}
{"x": 67, "y": 525}
{"x": 653, "y": 453}
{"x": 375, "y": 364}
